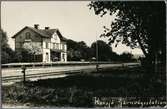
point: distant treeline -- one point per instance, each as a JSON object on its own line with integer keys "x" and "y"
{"x": 79, "y": 51}
{"x": 76, "y": 51}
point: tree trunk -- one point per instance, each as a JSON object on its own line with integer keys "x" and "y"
{"x": 141, "y": 46}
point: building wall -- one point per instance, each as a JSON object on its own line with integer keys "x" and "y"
{"x": 46, "y": 44}
{"x": 46, "y": 50}
{"x": 55, "y": 38}
{"x": 63, "y": 56}
{"x": 64, "y": 53}
{"x": 21, "y": 38}
{"x": 60, "y": 46}
{"x": 46, "y": 55}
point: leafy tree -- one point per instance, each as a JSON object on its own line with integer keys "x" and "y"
{"x": 125, "y": 56}
{"x": 71, "y": 44}
{"x": 138, "y": 24}
{"x": 78, "y": 50}
{"x": 105, "y": 52}
{"x": 85, "y": 50}
{"x": 4, "y": 40}
{"x": 7, "y": 54}
{"x": 72, "y": 51}
{"x": 31, "y": 52}
{"x": 32, "y": 48}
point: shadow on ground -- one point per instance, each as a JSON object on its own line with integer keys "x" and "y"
{"x": 80, "y": 90}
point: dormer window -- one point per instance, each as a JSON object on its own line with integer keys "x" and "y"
{"x": 28, "y": 35}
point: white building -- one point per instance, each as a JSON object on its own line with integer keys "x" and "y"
{"x": 47, "y": 43}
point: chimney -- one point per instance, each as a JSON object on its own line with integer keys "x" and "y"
{"x": 36, "y": 26}
{"x": 46, "y": 28}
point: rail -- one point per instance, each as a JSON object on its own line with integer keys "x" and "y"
{"x": 42, "y": 64}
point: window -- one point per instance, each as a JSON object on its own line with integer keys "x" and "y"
{"x": 47, "y": 45}
{"x": 57, "y": 46}
{"x": 28, "y": 35}
{"x": 63, "y": 46}
{"x": 55, "y": 36}
{"x": 54, "y": 45}
{"x": 63, "y": 57}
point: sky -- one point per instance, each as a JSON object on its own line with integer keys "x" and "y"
{"x": 74, "y": 19}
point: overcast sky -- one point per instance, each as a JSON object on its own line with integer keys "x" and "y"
{"x": 73, "y": 18}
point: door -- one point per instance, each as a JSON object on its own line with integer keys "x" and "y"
{"x": 47, "y": 57}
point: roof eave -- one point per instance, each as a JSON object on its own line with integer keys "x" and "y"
{"x": 19, "y": 32}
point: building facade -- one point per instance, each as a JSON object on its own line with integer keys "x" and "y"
{"x": 49, "y": 43}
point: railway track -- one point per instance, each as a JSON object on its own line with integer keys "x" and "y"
{"x": 55, "y": 73}
{"x": 40, "y": 75}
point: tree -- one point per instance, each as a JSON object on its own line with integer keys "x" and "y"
{"x": 72, "y": 51}
{"x": 32, "y": 48}
{"x": 78, "y": 50}
{"x": 31, "y": 52}
{"x": 105, "y": 52}
{"x": 125, "y": 56}
{"x": 138, "y": 24}
{"x": 7, "y": 54}
{"x": 85, "y": 50}
{"x": 71, "y": 44}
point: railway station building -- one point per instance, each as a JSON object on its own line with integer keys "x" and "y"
{"x": 48, "y": 45}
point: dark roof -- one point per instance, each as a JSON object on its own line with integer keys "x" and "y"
{"x": 44, "y": 33}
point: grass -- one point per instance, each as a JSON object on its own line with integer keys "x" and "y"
{"x": 80, "y": 90}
